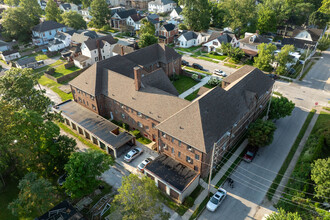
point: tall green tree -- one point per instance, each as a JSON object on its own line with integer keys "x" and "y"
{"x": 265, "y": 56}
{"x": 36, "y": 195}
{"x": 32, "y": 9}
{"x": 217, "y": 14}
{"x": 147, "y": 27}
{"x": 86, "y": 3}
{"x": 319, "y": 19}
{"x": 282, "y": 215}
{"x": 280, "y": 107}
{"x": 266, "y": 19}
{"x": 261, "y": 133}
{"x": 53, "y": 13}
{"x": 12, "y": 2}
{"x": 196, "y": 14}
{"x": 17, "y": 24}
{"x": 240, "y": 15}
{"x": 325, "y": 7}
{"x": 282, "y": 58}
{"x": 280, "y": 8}
{"x": 100, "y": 13}
{"x": 138, "y": 199}
{"x": 321, "y": 176}
{"x": 74, "y": 20}
{"x": 323, "y": 44}
{"x": 82, "y": 170}
{"x": 147, "y": 39}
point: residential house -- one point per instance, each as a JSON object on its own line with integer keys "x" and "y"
{"x": 115, "y": 3}
{"x": 4, "y": 46}
{"x": 137, "y": 4}
{"x": 63, "y": 211}
{"x": 190, "y": 38}
{"x": 46, "y": 31}
{"x": 79, "y": 38}
{"x": 250, "y": 43}
{"x": 167, "y": 33}
{"x": 122, "y": 50}
{"x": 176, "y": 13}
{"x": 154, "y": 19}
{"x": 134, "y": 21}
{"x": 61, "y": 41}
{"x": 219, "y": 38}
{"x": 119, "y": 19}
{"x": 86, "y": 15}
{"x": 9, "y": 55}
{"x": 42, "y": 4}
{"x": 161, "y": 6}
{"x": 66, "y": 7}
{"x": 116, "y": 9}
{"x": 94, "y": 50}
{"x": 29, "y": 62}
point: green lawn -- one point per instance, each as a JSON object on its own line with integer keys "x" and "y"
{"x": 218, "y": 57}
{"x": 192, "y": 96}
{"x": 205, "y": 58}
{"x": 197, "y": 70}
{"x": 184, "y": 83}
{"x": 143, "y": 140}
{"x": 41, "y": 57}
{"x": 54, "y": 86}
{"x": 190, "y": 49}
{"x": 58, "y": 62}
{"x": 61, "y": 71}
{"x": 8, "y": 194}
{"x": 231, "y": 65}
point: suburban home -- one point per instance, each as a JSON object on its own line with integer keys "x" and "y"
{"x": 218, "y": 38}
{"x": 134, "y": 21}
{"x": 137, "y": 4}
{"x": 86, "y": 15}
{"x": 161, "y": 6}
{"x": 299, "y": 44}
{"x": 66, "y": 7}
{"x": 79, "y": 38}
{"x": 303, "y": 33}
{"x": 42, "y": 4}
{"x": 155, "y": 22}
{"x": 190, "y": 38}
{"x": 122, "y": 50}
{"x": 63, "y": 211}
{"x": 61, "y": 41}
{"x": 9, "y": 55}
{"x": 294, "y": 58}
{"x": 176, "y": 13}
{"x": 94, "y": 50}
{"x": 167, "y": 33}
{"x": 115, "y": 3}
{"x": 135, "y": 89}
{"x": 4, "y": 46}
{"x": 120, "y": 18}
{"x": 29, "y": 62}
{"x": 249, "y": 44}
{"x": 46, "y": 31}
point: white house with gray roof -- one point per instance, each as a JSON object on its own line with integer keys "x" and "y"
{"x": 66, "y": 7}
{"x": 161, "y": 6}
{"x": 190, "y": 39}
{"x": 45, "y": 32}
{"x": 61, "y": 41}
{"x": 219, "y": 38}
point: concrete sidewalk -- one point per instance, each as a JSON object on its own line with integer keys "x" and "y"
{"x": 285, "y": 179}
{"x": 214, "y": 181}
{"x": 195, "y": 87}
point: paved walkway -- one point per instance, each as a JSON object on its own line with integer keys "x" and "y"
{"x": 284, "y": 181}
{"x": 214, "y": 181}
{"x": 195, "y": 87}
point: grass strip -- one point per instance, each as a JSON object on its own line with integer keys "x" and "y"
{"x": 326, "y": 108}
{"x": 192, "y": 96}
{"x": 197, "y": 70}
{"x": 306, "y": 71}
{"x": 54, "y": 86}
{"x": 205, "y": 58}
{"x": 201, "y": 207}
{"x": 190, "y": 49}
{"x": 278, "y": 93}
{"x": 230, "y": 65}
{"x": 84, "y": 141}
{"x": 288, "y": 159}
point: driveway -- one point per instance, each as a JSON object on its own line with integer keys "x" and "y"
{"x": 209, "y": 66}
{"x": 252, "y": 180}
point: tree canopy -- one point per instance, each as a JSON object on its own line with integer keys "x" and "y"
{"x": 53, "y": 13}
{"x": 147, "y": 39}
{"x": 36, "y": 195}
{"x": 280, "y": 107}
{"x": 266, "y": 19}
{"x": 82, "y": 170}
{"x": 282, "y": 58}
{"x": 265, "y": 56}
{"x": 196, "y": 14}
{"x": 321, "y": 176}
{"x": 147, "y": 27}
{"x": 282, "y": 215}
{"x": 138, "y": 199}
{"x": 12, "y": 2}
{"x": 100, "y": 13}
{"x": 325, "y": 7}
{"x": 261, "y": 133}
{"x": 323, "y": 44}
{"x": 74, "y": 20}
{"x": 32, "y": 9}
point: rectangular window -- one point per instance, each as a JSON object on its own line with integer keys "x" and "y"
{"x": 96, "y": 58}
{"x": 196, "y": 156}
{"x": 172, "y": 140}
{"x": 92, "y": 97}
{"x": 147, "y": 128}
{"x": 139, "y": 114}
{"x": 123, "y": 116}
{"x": 93, "y": 106}
{"x": 79, "y": 99}
{"x": 196, "y": 168}
{"x": 180, "y": 143}
{"x": 190, "y": 148}
{"x": 179, "y": 154}
{"x": 121, "y": 106}
{"x": 153, "y": 125}
{"x": 163, "y": 134}
{"x": 140, "y": 125}
{"x": 189, "y": 160}
{"x": 172, "y": 150}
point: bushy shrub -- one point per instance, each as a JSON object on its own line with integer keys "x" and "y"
{"x": 174, "y": 77}
{"x": 50, "y": 70}
{"x": 194, "y": 76}
{"x": 106, "y": 28}
{"x": 136, "y": 133}
{"x": 189, "y": 202}
{"x": 126, "y": 126}
{"x": 214, "y": 82}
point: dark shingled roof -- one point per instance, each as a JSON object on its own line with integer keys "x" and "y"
{"x": 92, "y": 43}
{"x": 126, "y": 13}
{"x": 136, "y": 17}
{"x": 190, "y": 35}
{"x": 314, "y": 32}
{"x": 178, "y": 10}
{"x": 25, "y": 61}
{"x": 47, "y": 26}
{"x": 8, "y": 52}
{"x": 94, "y": 123}
{"x": 238, "y": 74}
{"x": 223, "y": 37}
{"x": 63, "y": 211}
{"x": 127, "y": 49}
{"x": 169, "y": 27}
{"x": 297, "y": 43}
{"x": 174, "y": 173}
{"x": 209, "y": 117}
{"x": 258, "y": 40}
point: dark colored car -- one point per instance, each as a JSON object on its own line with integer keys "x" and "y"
{"x": 250, "y": 154}
{"x": 273, "y": 76}
{"x": 197, "y": 66}
{"x": 184, "y": 63}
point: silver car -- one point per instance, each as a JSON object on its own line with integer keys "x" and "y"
{"x": 216, "y": 199}
{"x": 132, "y": 154}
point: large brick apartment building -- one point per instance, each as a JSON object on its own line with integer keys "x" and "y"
{"x": 135, "y": 88}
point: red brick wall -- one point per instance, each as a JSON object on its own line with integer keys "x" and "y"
{"x": 85, "y": 99}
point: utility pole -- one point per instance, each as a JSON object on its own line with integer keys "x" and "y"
{"x": 306, "y": 58}
{"x": 270, "y": 100}
{"x": 211, "y": 168}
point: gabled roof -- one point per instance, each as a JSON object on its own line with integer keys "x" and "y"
{"x": 162, "y": 2}
{"x": 64, "y": 211}
{"x": 83, "y": 36}
{"x": 190, "y": 35}
{"x": 47, "y": 26}
{"x": 153, "y": 16}
{"x": 169, "y": 27}
{"x": 314, "y": 32}
{"x": 92, "y": 43}
{"x": 25, "y": 61}
{"x": 212, "y": 115}
{"x": 136, "y": 17}
{"x": 8, "y": 52}
{"x": 223, "y": 37}
{"x": 127, "y": 49}
{"x": 297, "y": 43}
{"x": 126, "y": 13}
{"x": 255, "y": 39}
{"x": 178, "y": 10}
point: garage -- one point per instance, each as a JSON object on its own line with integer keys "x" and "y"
{"x": 162, "y": 186}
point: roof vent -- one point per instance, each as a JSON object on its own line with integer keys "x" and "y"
{"x": 181, "y": 127}
{"x": 133, "y": 98}
{"x": 150, "y": 112}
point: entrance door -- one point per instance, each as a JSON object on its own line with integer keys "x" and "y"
{"x": 162, "y": 186}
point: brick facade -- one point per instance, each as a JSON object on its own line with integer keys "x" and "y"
{"x": 168, "y": 34}
{"x": 85, "y": 99}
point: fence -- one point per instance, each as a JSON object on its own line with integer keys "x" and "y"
{"x": 66, "y": 77}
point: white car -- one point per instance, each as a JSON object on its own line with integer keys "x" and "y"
{"x": 131, "y": 40}
{"x": 132, "y": 154}
{"x": 143, "y": 164}
{"x": 220, "y": 73}
{"x": 216, "y": 199}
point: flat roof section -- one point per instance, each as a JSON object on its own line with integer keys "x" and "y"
{"x": 174, "y": 173}
{"x": 94, "y": 123}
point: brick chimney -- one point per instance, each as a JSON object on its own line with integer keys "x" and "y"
{"x": 137, "y": 78}
{"x": 122, "y": 51}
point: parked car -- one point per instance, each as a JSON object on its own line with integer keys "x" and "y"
{"x": 143, "y": 164}
{"x": 197, "y": 66}
{"x": 220, "y": 73}
{"x": 273, "y": 76}
{"x": 216, "y": 199}
{"x": 62, "y": 179}
{"x": 132, "y": 154}
{"x": 131, "y": 40}
{"x": 250, "y": 154}
{"x": 185, "y": 63}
